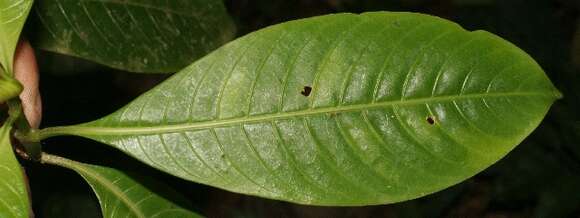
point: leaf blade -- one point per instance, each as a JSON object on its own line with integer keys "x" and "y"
{"x": 12, "y": 17}
{"x": 9, "y": 88}
{"x": 401, "y": 105}
{"x": 137, "y": 36}
{"x": 120, "y": 195}
{"x": 14, "y": 201}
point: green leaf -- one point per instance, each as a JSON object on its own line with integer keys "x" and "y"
{"x": 9, "y": 87}
{"x": 14, "y": 202}
{"x": 133, "y": 35}
{"x": 13, "y": 13}
{"x": 337, "y": 110}
{"x": 121, "y": 195}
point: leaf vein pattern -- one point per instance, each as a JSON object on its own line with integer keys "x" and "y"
{"x": 14, "y": 191}
{"x": 404, "y": 126}
{"x": 144, "y": 6}
{"x": 332, "y": 168}
{"x": 94, "y": 24}
{"x": 158, "y": 28}
{"x": 235, "y": 167}
{"x": 73, "y": 27}
{"x": 113, "y": 20}
{"x": 320, "y": 69}
{"x": 229, "y": 76}
{"x": 469, "y": 122}
{"x": 472, "y": 68}
{"x": 42, "y": 20}
{"x": 149, "y": 196}
{"x": 202, "y": 160}
{"x": 417, "y": 60}
{"x": 258, "y": 157}
{"x": 9, "y": 208}
{"x": 117, "y": 203}
{"x": 198, "y": 87}
{"x": 169, "y": 154}
{"x": 182, "y": 39}
{"x": 157, "y": 165}
{"x": 293, "y": 66}
{"x": 293, "y": 162}
{"x": 259, "y": 72}
{"x": 114, "y": 190}
{"x": 355, "y": 63}
{"x": 185, "y": 43}
{"x": 143, "y": 34}
{"x": 518, "y": 108}
{"x": 375, "y": 131}
{"x": 441, "y": 70}
{"x": 352, "y": 153}
{"x": 389, "y": 56}
{"x": 450, "y": 137}
{"x": 383, "y": 144}
{"x": 9, "y": 170}
{"x": 148, "y": 98}
{"x": 465, "y": 80}
{"x": 501, "y": 72}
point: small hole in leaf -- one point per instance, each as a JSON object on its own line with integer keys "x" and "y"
{"x": 306, "y": 91}
{"x": 430, "y": 120}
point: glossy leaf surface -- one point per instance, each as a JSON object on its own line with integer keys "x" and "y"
{"x": 134, "y": 35}
{"x": 120, "y": 195}
{"x": 14, "y": 201}
{"x": 13, "y": 13}
{"x": 337, "y": 110}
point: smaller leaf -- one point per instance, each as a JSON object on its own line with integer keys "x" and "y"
{"x": 13, "y": 13}
{"x": 14, "y": 200}
{"x": 121, "y": 195}
{"x": 9, "y": 88}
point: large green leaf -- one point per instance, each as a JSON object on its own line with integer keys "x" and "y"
{"x": 14, "y": 201}
{"x": 13, "y": 13}
{"x": 401, "y": 105}
{"x": 133, "y": 35}
{"x": 121, "y": 195}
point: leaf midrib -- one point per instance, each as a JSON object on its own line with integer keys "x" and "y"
{"x": 170, "y": 128}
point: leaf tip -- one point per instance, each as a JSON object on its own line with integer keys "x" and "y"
{"x": 558, "y": 94}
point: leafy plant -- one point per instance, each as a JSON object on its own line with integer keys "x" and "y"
{"x": 342, "y": 109}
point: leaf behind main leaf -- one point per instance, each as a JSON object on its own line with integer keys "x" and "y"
{"x": 337, "y": 110}
{"x": 146, "y": 36}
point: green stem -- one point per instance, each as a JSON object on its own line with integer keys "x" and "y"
{"x": 16, "y": 115}
{"x": 46, "y": 158}
{"x": 35, "y": 135}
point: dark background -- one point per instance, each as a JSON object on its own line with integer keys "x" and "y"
{"x": 540, "y": 178}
